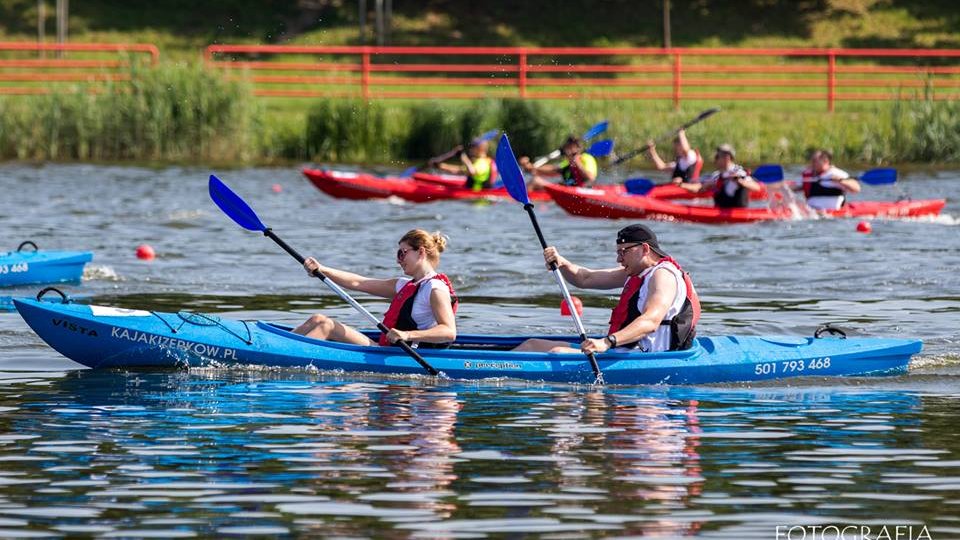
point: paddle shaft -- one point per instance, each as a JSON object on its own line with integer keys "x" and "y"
{"x": 566, "y": 292}
{"x": 636, "y": 152}
{"x": 349, "y": 299}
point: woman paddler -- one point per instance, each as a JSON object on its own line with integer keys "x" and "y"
{"x": 422, "y": 306}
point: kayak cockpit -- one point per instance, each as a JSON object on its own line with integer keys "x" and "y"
{"x": 467, "y": 344}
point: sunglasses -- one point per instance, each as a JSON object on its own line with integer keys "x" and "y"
{"x": 622, "y": 251}
{"x": 401, "y": 253}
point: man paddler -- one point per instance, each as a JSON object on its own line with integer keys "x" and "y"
{"x": 658, "y": 308}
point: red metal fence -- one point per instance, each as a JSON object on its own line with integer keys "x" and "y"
{"x": 828, "y": 75}
{"x": 831, "y": 76}
{"x": 37, "y": 68}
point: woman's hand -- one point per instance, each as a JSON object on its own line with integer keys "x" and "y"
{"x": 395, "y": 335}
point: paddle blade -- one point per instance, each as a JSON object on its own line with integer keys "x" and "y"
{"x": 510, "y": 171}
{"x": 704, "y": 115}
{"x": 488, "y": 136}
{"x": 233, "y": 206}
{"x": 408, "y": 172}
{"x": 638, "y": 186}
{"x": 601, "y": 148}
{"x": 877, "y": 177}
{"x": 768, "y": 174}
{"x": 597, "y": 129}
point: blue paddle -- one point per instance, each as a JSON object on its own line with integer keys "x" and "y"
{"x": 513, "y": 180}
{"x": 601, "y": 148}
{"x": 876, "y": 177}
{"x": 240, "y": 212}
{"x": 596, "y": 129}
{"x": 640, "y": 186}
{"x": 408, "y": 172}
{"x": 769, "y": 174}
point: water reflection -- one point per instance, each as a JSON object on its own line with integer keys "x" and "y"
{"x": 211, "y": 452}
{"x": 295, "y": 453}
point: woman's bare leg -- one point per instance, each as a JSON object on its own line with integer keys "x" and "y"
{"x": 545, "y": 345}
{"x": 323, "y": 327}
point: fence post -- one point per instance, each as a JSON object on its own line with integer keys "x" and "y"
{"x": 365, "y": 73}
{"x": 677, "y": 83}
{"x": 523, "y": 73}
{"x": 831, "y": 79}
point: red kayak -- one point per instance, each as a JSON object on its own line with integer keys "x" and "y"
{"x": 671, "y": 191}
{"x": 610, "y": 204}
{"x": 360, "y": 186}
{"x": 353, "y": 185}
{"x": 426, "y": 187}
{"x": 660, "y": 191}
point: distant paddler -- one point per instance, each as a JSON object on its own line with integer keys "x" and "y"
{"x": 475, "y": 164}
{"x": 687, "y": 162}
{"x": 824, "y": 185}
{"x": 731, "y": 183}
{"x": 577, "y": 168}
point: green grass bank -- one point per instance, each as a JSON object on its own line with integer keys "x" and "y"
{"x": 179, "y": 113}
{"x": 183, "y": 113}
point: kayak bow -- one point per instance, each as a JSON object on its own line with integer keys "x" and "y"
{"x": 26, "y": 267}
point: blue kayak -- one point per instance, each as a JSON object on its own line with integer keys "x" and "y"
{"x": 107, "y": 337}
{"x": 23, "y": 267}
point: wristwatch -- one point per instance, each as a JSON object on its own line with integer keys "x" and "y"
{"x": 612, "y": 340}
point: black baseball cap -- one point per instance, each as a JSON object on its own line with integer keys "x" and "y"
{"x": 640, "y": 234}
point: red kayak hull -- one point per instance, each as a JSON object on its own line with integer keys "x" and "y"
{"x": 361, "y": 186}
{"x": 354, "y": 186}
{"x": 671, "y": 191}
{"x": 613, "y": 205}
{"x": 426, "y": 187}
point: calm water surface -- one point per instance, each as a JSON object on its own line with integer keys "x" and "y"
{"x": 288, "y": 453}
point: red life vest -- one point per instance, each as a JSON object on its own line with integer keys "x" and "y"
{"x": 813, "y": 187}
{"x": 682, "y": 326}
{"x": 399, "y": 314}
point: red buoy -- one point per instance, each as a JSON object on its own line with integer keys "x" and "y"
{"x": 565, "y": 308}
{"x": 145, "y": 252}
{"x": 277, "y": 188}
{"x": 864, "y": 227}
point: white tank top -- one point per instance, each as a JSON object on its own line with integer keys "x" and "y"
{"x": 659, "y": 339}
{"x": 422, "y": 311}
{"x": 827, "y": 179}
{"x": 687, "y": 161}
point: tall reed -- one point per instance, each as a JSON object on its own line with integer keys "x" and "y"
{"x": 348, "y": 131}
{"x": 171, "y": 112}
